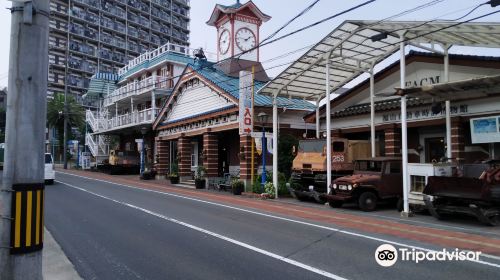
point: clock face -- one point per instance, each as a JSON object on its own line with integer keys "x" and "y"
{"x": 245, "y": 39}
{"x": 224, "y": 41}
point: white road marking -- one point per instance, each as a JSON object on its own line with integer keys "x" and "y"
{"x": 289, "y": 220}
{"x": 216, "y": 235}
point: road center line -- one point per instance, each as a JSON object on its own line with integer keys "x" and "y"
{"x": 285, "y": 219}
{"x": 216, "y": 235}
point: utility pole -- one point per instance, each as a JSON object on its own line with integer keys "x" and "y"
{"x": 65, "y": 110}
{"x": 23, "y": 176}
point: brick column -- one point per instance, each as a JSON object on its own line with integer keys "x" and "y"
{"x": 245, "y": 153}
{"x": 162, "y": 157}
{"x": 184, "y": 148}
{"x": 457, "y": 139}
{"x": 392, "y": 141}
{"x": 211, "y": 154}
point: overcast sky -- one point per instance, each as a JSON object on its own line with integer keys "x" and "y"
{"x": 282, "y": 11}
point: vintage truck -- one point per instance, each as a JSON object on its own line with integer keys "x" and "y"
{"x": 309, "y": 165}
{"x": 373, "y": 180}
{"x": 121, "y": 162}
{"x": 478, "y": 196}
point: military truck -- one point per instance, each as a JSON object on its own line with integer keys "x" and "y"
{"x": 476, "y": 195}
{"x": 309, "y": 165}
{"x": 374, "y": 180}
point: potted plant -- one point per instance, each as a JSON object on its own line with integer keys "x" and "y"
{"x": 174, "y": 174}
{"x": 237, "y": 186}
{"x": 199, "y": 178}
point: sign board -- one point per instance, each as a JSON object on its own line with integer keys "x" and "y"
{"x": 485, "y": 130}
{"x": 246, "y": 103}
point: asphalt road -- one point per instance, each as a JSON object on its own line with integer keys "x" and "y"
{"x": 115, "y": 232}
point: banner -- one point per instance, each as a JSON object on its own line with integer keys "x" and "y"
{"x": 246, "y": 103}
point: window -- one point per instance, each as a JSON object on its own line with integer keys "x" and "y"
{"x": 393, "y": 167}
{"x": 338, "y": 146}
{"x": 417, "y": 183}
{"x": 48, "y": 158}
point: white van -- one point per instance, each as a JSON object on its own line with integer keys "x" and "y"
{"x": 50, "y": 173}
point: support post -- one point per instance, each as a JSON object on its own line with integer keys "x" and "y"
{"x": 317, "y": 119}
{"x": 447, "y": 104}
{"x": 372, "y": 111}
{"x": 275, "y": 145}
{"x": 24, "y": 141}
{"x": 328, "y": 130}
{"x": 404, "y": 136}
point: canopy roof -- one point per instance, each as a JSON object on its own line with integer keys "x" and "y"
{"x": 466, "y": 89}
{"x": 351, "y": 51}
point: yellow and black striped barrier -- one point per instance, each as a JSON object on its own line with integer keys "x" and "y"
{"x": 27, "y": 213}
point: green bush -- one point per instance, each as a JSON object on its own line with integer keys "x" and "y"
{"x": 269, "y": 189}
{"x": 282, "y": 189}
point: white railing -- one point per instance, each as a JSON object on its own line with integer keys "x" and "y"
{"x": 91, "y": 120}
{"x": 168, "y": 47}
{"x": 136, "y": 88}
{"x": 89, "y": 141}
{"x": 135, "y": 118}
{"x": 102, "y": 145}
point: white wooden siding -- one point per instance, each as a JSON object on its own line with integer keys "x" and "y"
{"x": 196, "y": 100}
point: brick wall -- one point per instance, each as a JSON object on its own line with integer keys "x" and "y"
{"x": 392, "y": 141}
{"x": 184, "y": 148}
{"x": 211, "y": 154}
{"x": 246, "y": 158}
{"x": 163, "y": 155}
{"x": 457, "y": 139}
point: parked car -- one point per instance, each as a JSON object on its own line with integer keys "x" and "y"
{"x": 50, "y": 173}
{"x": 373, "y": 180}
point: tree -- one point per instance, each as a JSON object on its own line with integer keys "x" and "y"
{"x": 55, "y": 116}
{"x": 285, "y": 155}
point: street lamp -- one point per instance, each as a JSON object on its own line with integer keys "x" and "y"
{"x": 262, "y": 117}
{"x": 144, "y": 130}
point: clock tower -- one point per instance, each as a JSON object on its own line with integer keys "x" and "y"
{"x": 238, "y": 29}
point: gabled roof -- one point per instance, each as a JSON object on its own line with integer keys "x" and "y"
{"x": 235, "y": 8}
{"x": 412, "y": 56}
{"x": 230, "y": 86}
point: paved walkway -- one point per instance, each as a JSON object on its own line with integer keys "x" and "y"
{"x": 442, "y": 237}
{"x": 55, "y": 264}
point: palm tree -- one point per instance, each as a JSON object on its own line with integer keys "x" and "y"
{"x": 55, "y": 116}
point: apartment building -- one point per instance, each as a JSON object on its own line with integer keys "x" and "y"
{"x": 90, "y": 36}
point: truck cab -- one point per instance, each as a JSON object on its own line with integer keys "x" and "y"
{"x": 373, "y": 180}
{"x": 309, "y": 165}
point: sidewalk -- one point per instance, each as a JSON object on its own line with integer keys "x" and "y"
{"x": 373, "y": 224}
{"x": 55, "y": 264}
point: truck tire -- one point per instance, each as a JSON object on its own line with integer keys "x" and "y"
{"x": 400, "y": 205}
{"x": 494, "y": 220}
{"x": 335, "y": 203}
{"x": 367, "y": 201}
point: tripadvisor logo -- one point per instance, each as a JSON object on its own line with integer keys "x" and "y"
{"x": 387, "y": 255}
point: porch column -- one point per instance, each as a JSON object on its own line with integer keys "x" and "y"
{"x": 162, "y": 158}
{"x": 211, "y": 154}
{"x": 184, "y": 148}
{"x": 457, "y": 139}
{"x": 392, "y": 142}
{"x": 246, "y": 161}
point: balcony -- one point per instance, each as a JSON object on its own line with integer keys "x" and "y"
{"x": 104, "y": 123}
{"x": 137, "y": 88}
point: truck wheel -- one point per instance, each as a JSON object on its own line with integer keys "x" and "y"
{"x": 335, "y": 203}
{"x": 367, "y": 201}
{"x": 399, "y": 205}
{"x": 494, "y": 220}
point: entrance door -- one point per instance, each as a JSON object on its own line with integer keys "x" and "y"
{"x": 223, "y": 161}
{"x": 194, "y": 156}
{"x": 434, "y": 149}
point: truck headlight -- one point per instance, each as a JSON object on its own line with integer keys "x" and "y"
{"x": 335, "y": 186}
{"x": 349, "y": 187}
{"x": 355, "y": 186}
